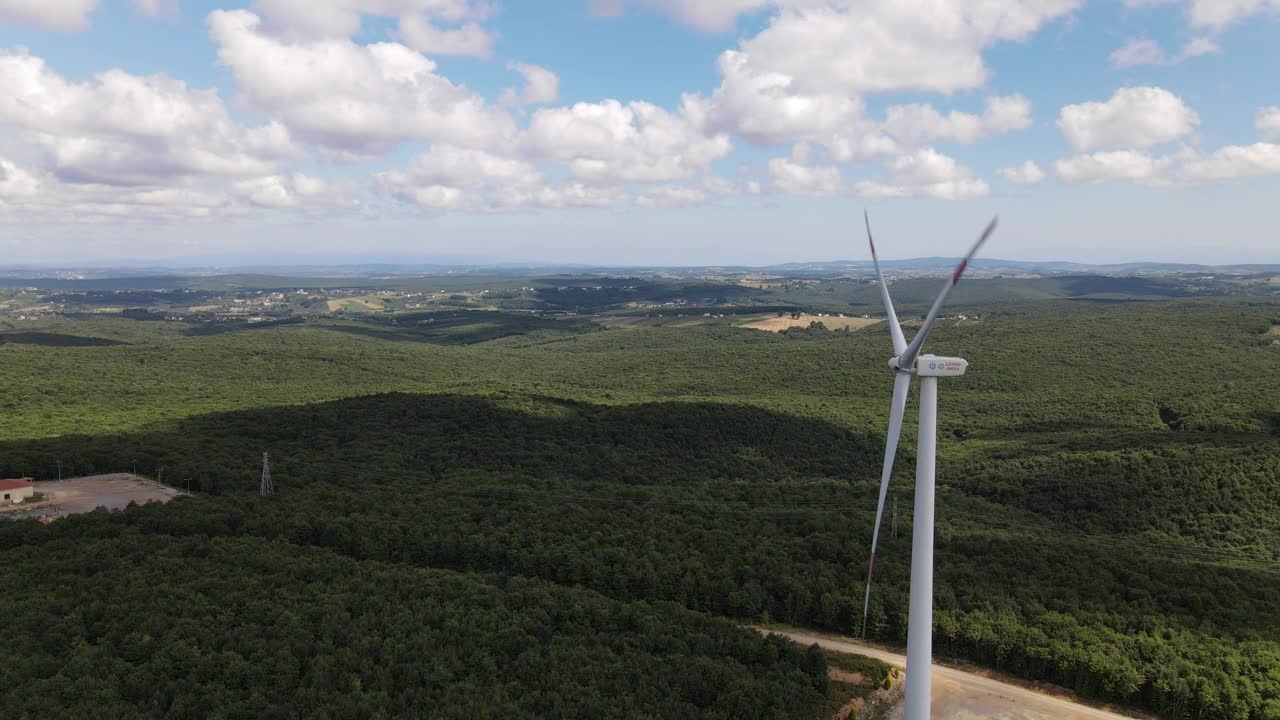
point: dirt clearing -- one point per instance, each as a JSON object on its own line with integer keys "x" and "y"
{"x": 832, "y": 322}
{"x": 81, "y": 495}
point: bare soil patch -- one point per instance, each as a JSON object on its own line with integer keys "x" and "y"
{"x": 832, "y": 322}
{"x": 81, "y": 495}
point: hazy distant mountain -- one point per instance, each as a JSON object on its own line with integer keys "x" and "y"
{"x": 462, "y": 265}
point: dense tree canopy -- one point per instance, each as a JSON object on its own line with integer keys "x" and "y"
{"x": 1112, "y": 530}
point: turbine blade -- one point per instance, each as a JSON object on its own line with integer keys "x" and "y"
{"x": 907, "y": 360}
{"x": 901, "y": 384}
{"x": 891, "y": 317}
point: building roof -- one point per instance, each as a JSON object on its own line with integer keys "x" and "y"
{"x": 15, "y": 484}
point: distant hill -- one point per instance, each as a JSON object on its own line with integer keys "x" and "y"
{"x": 339, "y": 274}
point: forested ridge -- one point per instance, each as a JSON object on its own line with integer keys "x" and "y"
{"x": 1110, "y": 530}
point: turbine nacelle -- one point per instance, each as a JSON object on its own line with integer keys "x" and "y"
{"x": 934, "y": 366}
{"x": 931, "y": 366}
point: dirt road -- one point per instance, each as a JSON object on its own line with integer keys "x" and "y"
{"x": 960, "y": 695}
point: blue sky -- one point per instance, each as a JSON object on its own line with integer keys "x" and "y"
{"x": 637, "y": 131}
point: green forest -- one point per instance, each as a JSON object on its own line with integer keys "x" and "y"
{"x": 493, "y": 515}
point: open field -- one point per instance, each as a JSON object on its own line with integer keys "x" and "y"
{"x": 832, "y": 322}
{"x": 359, "y": 304}
{"x": 81, "y": 495}
{"x": 674, "y": 319}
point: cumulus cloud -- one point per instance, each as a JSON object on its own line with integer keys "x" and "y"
{"x": 1135, "y": 117}
{"x": 708, "y": 15}
{"x": 1138, "y": 51}
{"x": 446, "y": 175}
{"x": 296, "y": 191}
{"x": 767, "y": 110}
{"x": 131, "y": 130}
{"x": 611, "y": 142}
{"x": 1218, "y": 14}
{"x": 52, "y": 14}
{"x": 803, "y": 77}
{"x": 311, "y": 20}
{"x": 1028, "y": 173}
{"x": 1141, "y": 51}
{"x": 1232, "y": 162}
{"x": 1215, "y": 14}
{"x": 1185, "y": 167}
{"x": 357, "y": 99}
{"x": 1116, "y": 165}
{"x": 153, "y": 8}
{"x": 424, "y": 36}
{"x": 16, "y": 182}
{"x": 891, "y": 45}
{"x": 673, "y": 196}
{"x": 541, "y": 86}
{"x": 33, "y": 195}
{"x": 1197, "y": 47}
{"x": 568, "y": 195}
{"x": 925, "y": 172}
{"x": 1268, "y": 121}
{"x": 912, "y": 124}
{"x": 795, "y": 176}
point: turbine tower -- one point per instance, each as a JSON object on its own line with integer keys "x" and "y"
{"x": 908, "y": 361}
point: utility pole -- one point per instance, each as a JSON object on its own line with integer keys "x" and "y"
{"x": 59, "y": 470}
{"x": 160, "y": 475}
{"x": 266, "y": 488}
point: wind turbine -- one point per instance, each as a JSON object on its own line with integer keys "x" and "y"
{"x": 908, "y": 361}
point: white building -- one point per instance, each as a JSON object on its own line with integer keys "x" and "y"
{"x": 15, "y": 491}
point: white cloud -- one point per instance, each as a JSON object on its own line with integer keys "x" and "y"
{"x": 16, "y": 182}
{"x": 358, "y": 99}
{"x": 153, "y": 8}
{"x": 891, "y": 45}
{"x": 1141, "y": 51}
{"x": 1197, "y": 47}
{"x": 51, "y": 14}
{"x": 569, "y": 195}
{"x": 1268, "y": 121}
{"x": 766, "y": 110}
{"x": 330, "y": 19}
{"x": 912, "y": 124}
{"x": 801, "y": 79}
{"x": 422, "y": 35}
{"x": 32, "y": 196}
{"x": 609, "y": 142}
{"x": 1218, "y": 14}
{"x": 673, "y": 196}
{"x": 1138, "y": 51}
{"x": 1214, "y": 14}
{"x": 541, "y": 86}
{"x": 1028, "y": 173}
{"x": 795, "y": 176}
{"x": 925, "y": 172}
{"x": 1229, "y": 163}
{"x": 1186, "y": 167}
{"x": 130, "y": 130}
{"x": 295, "y": 191}
{"x": 1117, "y": 165}
{"x": 709, "y": 15}
{"x": 1135, "y": 117}
{"x": 445, "y": 176}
